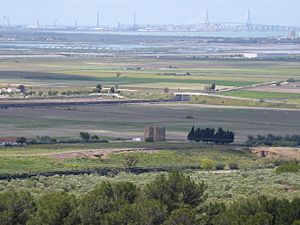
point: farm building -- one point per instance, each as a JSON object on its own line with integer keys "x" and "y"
{"x": 8, "y": 141}
{"x": 155, "y": 134}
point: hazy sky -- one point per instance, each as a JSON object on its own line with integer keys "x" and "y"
{"x": 283, "y": 12}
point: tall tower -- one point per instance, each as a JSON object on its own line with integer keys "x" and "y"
{"x": 98, "y": 19}
{"x": 249, "y": 23}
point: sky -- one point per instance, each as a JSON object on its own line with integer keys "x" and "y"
{"x": 66, "y": 12}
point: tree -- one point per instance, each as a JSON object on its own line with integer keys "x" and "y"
{"x": 112, "y": 90}
{"x": 130, "y": 161}
{"x": 213, "y": 87}
{"x": 191, "y": 134}
{"x": 95, "y": 138}
{"x": 183, "y": 216}
{"x": 119, "y": 74}
{"x": 15, "y": 207}
{"x": 22, "y": 88}
{"x": 53, "y": 209}
{"x": 198, "y": 135}
{"x": 85, "y": 136}
{"x": 176, "y": 190}
{"x": 21, "y": 140}
{"x": 149, "y": 212}
{"x": 99, "y": 86}
{"x": 102, "y": 205}
{"x": 210, "y": 135}
{"x": 166, "y": 90}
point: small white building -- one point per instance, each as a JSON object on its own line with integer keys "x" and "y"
{"x": 8, "y": 141}
{"x": 250, "y": 55}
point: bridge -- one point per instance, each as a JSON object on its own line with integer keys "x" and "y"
{"x": 248, "y": 26}
{"x": 235, "y": 26}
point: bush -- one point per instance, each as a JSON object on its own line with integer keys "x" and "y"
{"x": 288, "y": 168}
{"x": 220, "y": 166}
{"x": 233, "y": 166}
{"x": 130, "y": 161}
{"x": 207, "y": 164}
{"x": 85, "y": 136}
{"x": 176, "y": 190}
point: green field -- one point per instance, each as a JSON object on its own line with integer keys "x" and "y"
{"x": 262, "y": 95}
{"x": 32, "y": 159}
{"x": 223, "y": 73}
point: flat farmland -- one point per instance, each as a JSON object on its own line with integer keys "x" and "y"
{"x": 128, "y": 121}
{"x": 140, "y": 72}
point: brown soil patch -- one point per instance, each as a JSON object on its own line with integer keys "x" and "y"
{"x": 97, "y": 154}
{"x": 277, "y": 152}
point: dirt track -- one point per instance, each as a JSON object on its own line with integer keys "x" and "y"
{"x": 277, "y": 152}
{"x": 90, "y": 154}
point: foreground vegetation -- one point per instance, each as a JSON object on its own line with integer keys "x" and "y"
{"x": 46, "y": 158}
{"x": 168, "y": 200}
{"x": 221, "y": 185}
{"x": 271, "y": 140}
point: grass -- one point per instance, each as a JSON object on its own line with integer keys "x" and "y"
{"x": 128, "y": 121}
{"x": 261, "y": 94}
{"x": 239, "y": 102}
{"x": 172, "y": 156}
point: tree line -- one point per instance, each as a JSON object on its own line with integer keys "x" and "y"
{"x": 210, "y": 135}
{"x": 173, "y": 199}
{"x": 272, "y": 140}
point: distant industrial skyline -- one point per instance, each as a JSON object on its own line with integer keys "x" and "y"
{"x": 70, "y": 12}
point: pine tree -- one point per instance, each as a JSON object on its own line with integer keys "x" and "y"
{"x": 191, "y": 135}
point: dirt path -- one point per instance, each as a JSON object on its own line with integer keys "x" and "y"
{"x": 277, "y": 152}
{"x": 185, "y": 105}
{"x": 90, "y": 154}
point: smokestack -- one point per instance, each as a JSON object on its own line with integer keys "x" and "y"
{"x": 4, "y": 20}
{"x": 134, "y": 20}
{"x": 98, "y": 19}
{"x": 8, "y": 21}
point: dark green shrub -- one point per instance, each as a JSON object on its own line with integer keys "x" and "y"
{"x": 288, "y": 168}
{"x": 220, "y": 166}
{"x": 233, "y": 166}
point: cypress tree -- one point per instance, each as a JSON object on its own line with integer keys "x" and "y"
{"x": 191, "y": 135}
